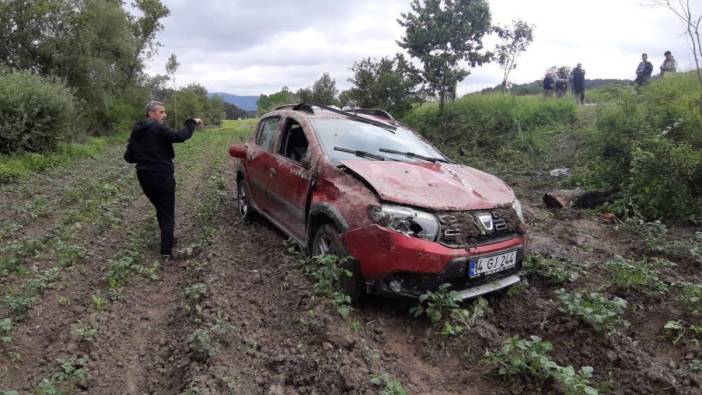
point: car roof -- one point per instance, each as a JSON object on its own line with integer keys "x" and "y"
{"x": 376, "y": 117}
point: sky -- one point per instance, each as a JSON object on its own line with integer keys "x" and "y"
{"x": 245, "y": 47}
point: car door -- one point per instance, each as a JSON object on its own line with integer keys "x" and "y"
{"x": 261, "y": 162}
{"x": 290, "y": 184}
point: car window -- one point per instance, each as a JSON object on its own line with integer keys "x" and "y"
{"x": 266, "y": 133}
{"x": 354, "y": 135}
{"x": 294, "y": 143}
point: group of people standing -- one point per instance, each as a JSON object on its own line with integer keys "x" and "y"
{"x": 645, "y": 68}
{"x": 556, "y": 81}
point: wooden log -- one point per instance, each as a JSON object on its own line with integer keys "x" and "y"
{"x": 577, "y": 197}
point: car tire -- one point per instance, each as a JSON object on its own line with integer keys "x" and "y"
{"x": 243, "y": 201}
{"x": 327, "y": 241}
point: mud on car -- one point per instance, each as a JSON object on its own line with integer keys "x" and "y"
{"x": 361, "y": 184}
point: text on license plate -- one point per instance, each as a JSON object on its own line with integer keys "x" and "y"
{"x": 491, "y": 264}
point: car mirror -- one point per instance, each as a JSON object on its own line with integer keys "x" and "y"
{"x": 238, "y": 150}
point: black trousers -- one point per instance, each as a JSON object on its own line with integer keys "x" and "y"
{"x": 159, "y": 187}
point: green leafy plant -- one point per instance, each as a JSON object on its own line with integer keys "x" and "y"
{"x": 71, "y": 373}
{"x": 555, "y": 272}
{"x": 529, "y": 358}
{"x": 6, "y": 326}
{"x": 196, "y": 292}
{"x": 327, "y": 272}
{"x": 594, "y": 309}
{"x": 85, "y": 333}
{"x": 677, "y": 329}
{"x": 388, "y": 385}
{"x": 200, "y": 345}
{"x": 689, "y": 297}
{"x": 98, "y": 302}
{"x": 641, "y": 276}
{"x": 442, "y": 308}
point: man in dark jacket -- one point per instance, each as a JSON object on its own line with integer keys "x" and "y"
{"x": 643, "y": 71}
{"x": 578, "y": 76}
{"x": 151, "y": 148}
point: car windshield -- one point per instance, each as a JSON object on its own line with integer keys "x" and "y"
{"x": 350, "y": 135}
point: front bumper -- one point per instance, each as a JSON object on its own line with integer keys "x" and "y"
{"x": 397, "y": 264}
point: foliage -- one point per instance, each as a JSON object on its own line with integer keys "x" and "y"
{"x": 512, "y": 42}
{"x": 71, "y": 373}
{"x": 327, "y": 272}
{"x": 641, "y": 275}
{"x": 389, "y": 84}
{"x": 529, "y": 358}
{"x": 595, "y": 309}
{"x": 267, "y": 102}
{"x": 201, "y": 345}
{"x": 85, "y": 333}
{"x": 36, "y": 113}
{"x": 679, "y": 328}
{"x": 442, "y": 34}
{"x": 388, "y": 385}
{"x": 689, "y": 297}
{"x": 442, "y": 308}
{"x": 553, "y": 271}
{"x": 634, "y": 135}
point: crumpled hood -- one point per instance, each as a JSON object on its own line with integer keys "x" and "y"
{"x": 142, "y": 125}
{"x": 438, "y": 186}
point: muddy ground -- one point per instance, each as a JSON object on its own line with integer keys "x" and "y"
{"x": 235, "y": 314}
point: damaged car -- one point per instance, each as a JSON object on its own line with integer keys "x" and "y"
{"x": 361, "y": 184}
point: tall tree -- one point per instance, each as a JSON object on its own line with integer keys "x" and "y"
{"x": 171, "y": 68}
{"x": 324, "y": 90}
{"x": 442, "y": 34}
{"x": 512, "y": 43}
{"x": 387, "y": 83}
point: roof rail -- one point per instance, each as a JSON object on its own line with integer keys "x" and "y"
{"x": 374, "y": 111}
{"x": 309, "y": 108}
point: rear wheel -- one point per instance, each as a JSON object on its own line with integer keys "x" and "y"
{"x": 327, "y": 241}
{"x": 243, "y": 200}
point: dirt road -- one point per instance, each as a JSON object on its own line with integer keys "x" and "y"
{"x": 87, "y": 308}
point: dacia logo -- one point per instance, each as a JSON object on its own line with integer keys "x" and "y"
{"x": 486, "y": 222}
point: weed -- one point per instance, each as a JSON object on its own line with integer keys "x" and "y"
{"x": 98, "y": 302}
{"x": 6, "y": 326}
{"x": 679, "y": 328}
{"x": 232, "y": 384}
{"x": 604, "y": 315}
{"x": 370, "y": 354}
{"x": 689, "y": 297}
{"x": 695, "y": 365}
{"x": 640, "y": 276}
{"x": 196, "y": 292}
{"x": 388, "y": 385}
{"x": 518, "y": 289}
{"x": 85, "y": 333}
{"x": 71, "y": 373}
{"x": 529, "y": 358}
{"x": 327, "y": 272}
{"x": 442, "y": 308}
{"x": 201, "y": 345}
{"x": 64, "y": 301}
{"x": 553, "y": 271}
{"x": 193, "y": 389}
{"x": 355, "y": 326}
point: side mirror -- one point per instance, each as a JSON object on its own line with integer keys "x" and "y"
{"x": 238, "y": 150}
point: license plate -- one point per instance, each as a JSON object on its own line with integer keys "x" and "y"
{"x": 481, "y": 266}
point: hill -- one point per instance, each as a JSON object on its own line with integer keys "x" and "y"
{"x": 246, "y": 103}
{"x": 535, "y": 87}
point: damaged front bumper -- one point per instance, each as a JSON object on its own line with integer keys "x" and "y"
{"x": 395, "y": 264}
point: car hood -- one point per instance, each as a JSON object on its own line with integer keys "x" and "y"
{"x": 438, "y": 186}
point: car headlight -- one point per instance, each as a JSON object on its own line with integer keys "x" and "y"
{"x": 517, "y": 207}
{"x": 406, "y": 220}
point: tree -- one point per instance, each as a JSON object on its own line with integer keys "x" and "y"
{"x": 388, "y": 83}
{"x": 692, "y": 22}
{"x": 324, "y": 90}
{"x": 268, "y": 102}
{"x": 442, "y": 34}
{"x": 512, "y": 43}
{"x": 171, "y": 68}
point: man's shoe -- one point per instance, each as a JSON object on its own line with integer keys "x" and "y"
{"x": 166, "y": 258}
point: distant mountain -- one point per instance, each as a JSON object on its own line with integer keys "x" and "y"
{"x": 246, "y": 103}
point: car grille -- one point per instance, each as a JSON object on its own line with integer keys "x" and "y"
{"x": 461, "y": 229}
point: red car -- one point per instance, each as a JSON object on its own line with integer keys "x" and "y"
{"x": 359, "y": 183}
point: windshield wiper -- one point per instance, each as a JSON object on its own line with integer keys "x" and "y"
{"x": 413, "y": 155}
{"x": 359, "y": 153}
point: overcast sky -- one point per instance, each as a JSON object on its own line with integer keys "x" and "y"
{"x": 246, "y": 47}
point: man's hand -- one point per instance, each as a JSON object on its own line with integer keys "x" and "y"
{"x": 198, "y": 122}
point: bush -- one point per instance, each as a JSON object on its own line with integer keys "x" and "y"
{"x": 36, "y": 114}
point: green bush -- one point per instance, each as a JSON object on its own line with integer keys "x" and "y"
{"x": 36, "y": 114}
{"x": 647, "y": 147}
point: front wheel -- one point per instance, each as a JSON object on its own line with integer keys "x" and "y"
{"x": 243, "y": 200}
{"x": 327, "y": 241}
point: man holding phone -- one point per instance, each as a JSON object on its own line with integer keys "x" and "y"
{"x": 151, "y": 148}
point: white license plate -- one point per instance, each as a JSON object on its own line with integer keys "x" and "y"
{"x": 481, "y": 266}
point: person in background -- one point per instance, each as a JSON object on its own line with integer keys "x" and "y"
{"x": 670, "y": 65}
{"x": 578, "y": 77}
{"x": 549, "y": 85}
{"x": 643, "y": 71}
{"x": 151, "y": 148}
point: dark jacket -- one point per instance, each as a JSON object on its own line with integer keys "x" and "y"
{"x": 151, "y": 145}
{"x": 548, "y": 83}
{"x": 578, "y": 79}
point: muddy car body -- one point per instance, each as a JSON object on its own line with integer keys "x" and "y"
{"x": 361, "y": 184}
